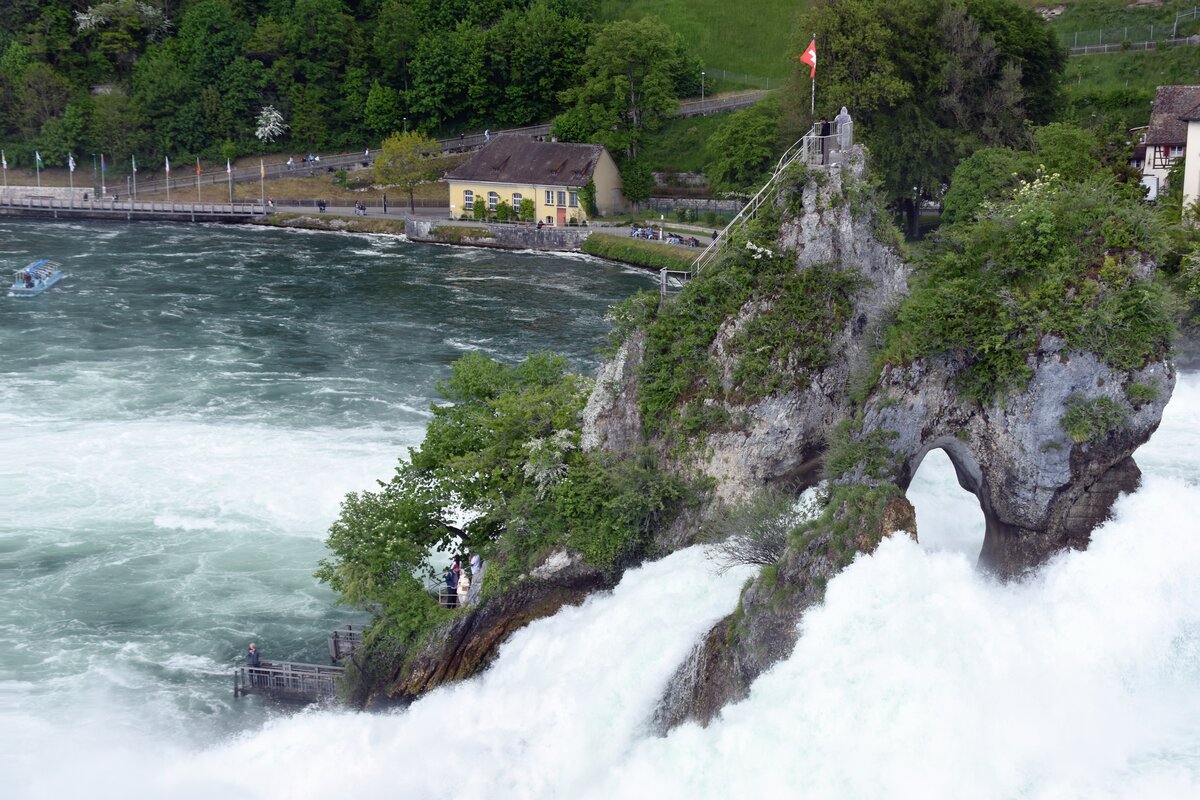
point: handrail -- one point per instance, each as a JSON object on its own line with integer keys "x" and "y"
{"x": 287, "y": 679}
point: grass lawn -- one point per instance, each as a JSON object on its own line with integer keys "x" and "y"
{"x": 1123, "y": 84}
{"x": 751, "y": 36}
{"x": 679, "y": 145}
{"x": 1088, "y": 15}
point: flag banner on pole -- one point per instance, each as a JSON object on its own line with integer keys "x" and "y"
{"x": 37, "y": 157}
{"x": 133, "y": 161}
{"x": 810, "y": 57}
{"x": 71, "y": 163}
{"x": 167, "y": 163}
{"x": 197, "y": 167}
{"x": 262, "y": 169}
{"x": 103, "y": 168}
{"x": 3, "y": 160}
{"x": 228, "y": 167}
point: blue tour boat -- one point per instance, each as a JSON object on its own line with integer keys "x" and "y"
{"x": 35, "y": 278}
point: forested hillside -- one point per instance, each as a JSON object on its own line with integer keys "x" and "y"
{"x": 190, "y": 77}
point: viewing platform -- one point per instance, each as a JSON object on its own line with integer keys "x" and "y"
{"x": 288, "y": 680}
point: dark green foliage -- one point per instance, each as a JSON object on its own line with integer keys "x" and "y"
{"x": 630, "y": 314}
{"x": 742, "y": 151}
{"x": 928, "y": 82}
{"x": 1092, "y": 420}
{"x": 636, "y": 180}
{"x": 1058, "y": 258}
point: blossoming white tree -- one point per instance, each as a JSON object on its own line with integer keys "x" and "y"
{"x": 270, "y": 125}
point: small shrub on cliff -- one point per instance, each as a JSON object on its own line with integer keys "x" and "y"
{"x": 1092, "y": 420}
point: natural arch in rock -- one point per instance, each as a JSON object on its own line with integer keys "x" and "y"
{"x": 949, "y": 513}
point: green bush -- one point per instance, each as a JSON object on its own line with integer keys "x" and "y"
{"x": 1141, "y": 393}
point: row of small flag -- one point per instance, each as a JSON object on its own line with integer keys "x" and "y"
{"x": 37, "y": 156}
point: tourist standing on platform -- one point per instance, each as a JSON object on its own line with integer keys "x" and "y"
{"x": 252, "y": 661}
{"x": 464, "y": 589}
{"x": 451, "y": 593}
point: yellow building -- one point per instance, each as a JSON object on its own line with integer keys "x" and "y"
{"x": 512, "y": 168}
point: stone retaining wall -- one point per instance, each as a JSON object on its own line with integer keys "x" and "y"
{"x": 511, "y": 237}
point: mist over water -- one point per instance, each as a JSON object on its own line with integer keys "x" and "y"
{"x": 918, "y": 677}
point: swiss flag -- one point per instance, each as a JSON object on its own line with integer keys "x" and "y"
{"x": 810, "y": 57}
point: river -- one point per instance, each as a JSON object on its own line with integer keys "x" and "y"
{"x": 181, "y": 417}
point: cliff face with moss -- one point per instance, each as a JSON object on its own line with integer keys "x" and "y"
{"x": 1031, "y": 346}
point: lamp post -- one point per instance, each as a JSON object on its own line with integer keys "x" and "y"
{"x": 94, "y": 184}
{"x": 701, "y": 88}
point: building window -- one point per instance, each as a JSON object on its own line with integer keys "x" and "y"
{"x": 1176, "y": 151}
{"x": 549, "y": 197}
{"x": 468, "y": 198}
{"x": 574, "y": 201}
{"x": 562, "y": 198}
{"x": 517, "y": 201}
{"x": 493, "y": 199}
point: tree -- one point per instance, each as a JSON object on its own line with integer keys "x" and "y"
{"x": 929, "y": 81}
{"x": 987, "y": 174}
{"x": 636, "y": 180}
{"x": 269, "y": 125}
{"x": 632, "y": 69}
{"x": 403, "y": 161}
{"x": 742, "y": 151}
{"x": 383, "y": 112}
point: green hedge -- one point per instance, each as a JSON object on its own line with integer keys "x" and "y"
{"x": 639, "y": 252}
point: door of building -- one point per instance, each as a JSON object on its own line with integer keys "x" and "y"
{"x": 562, "y": 216}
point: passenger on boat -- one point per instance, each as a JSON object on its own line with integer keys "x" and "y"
{"x": 28, "y": 281}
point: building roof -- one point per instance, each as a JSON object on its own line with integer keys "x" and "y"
{"x": 513, "y": 158}
{"x": 1173, "y": 105}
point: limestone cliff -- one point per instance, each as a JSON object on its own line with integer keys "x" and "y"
{"x": 1045, "y": 460}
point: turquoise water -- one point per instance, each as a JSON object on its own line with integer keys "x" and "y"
{"x": 178, "y": 422}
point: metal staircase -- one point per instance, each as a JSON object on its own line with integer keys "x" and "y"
{"x": 811, "y": 149}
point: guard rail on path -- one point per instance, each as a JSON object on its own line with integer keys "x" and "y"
{"x": 109, "y": 208}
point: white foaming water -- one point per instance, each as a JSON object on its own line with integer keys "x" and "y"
{"x": 919, "y": 677}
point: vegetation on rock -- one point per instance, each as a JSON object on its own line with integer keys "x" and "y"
{"x": 503, "y": 454}
{"x": 1056, "y": 258}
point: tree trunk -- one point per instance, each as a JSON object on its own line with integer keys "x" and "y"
{"x": 412, "y": 205}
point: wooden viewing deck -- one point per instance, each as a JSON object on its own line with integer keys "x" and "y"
{"x": 288, "y": 680}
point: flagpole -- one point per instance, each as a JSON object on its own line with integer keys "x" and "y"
{"x": 167, "y": 162}
{"x": 133, "y": 163}
{"x": 262, "y": 184}
{"x": 37, "y": 166}
{"x": 812, "y": 108}
{"x": 71, "y": 176}
{"x": 103, "y": 176}
{"x": 229, "y": 176}
{"x": 197, "y": 179}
